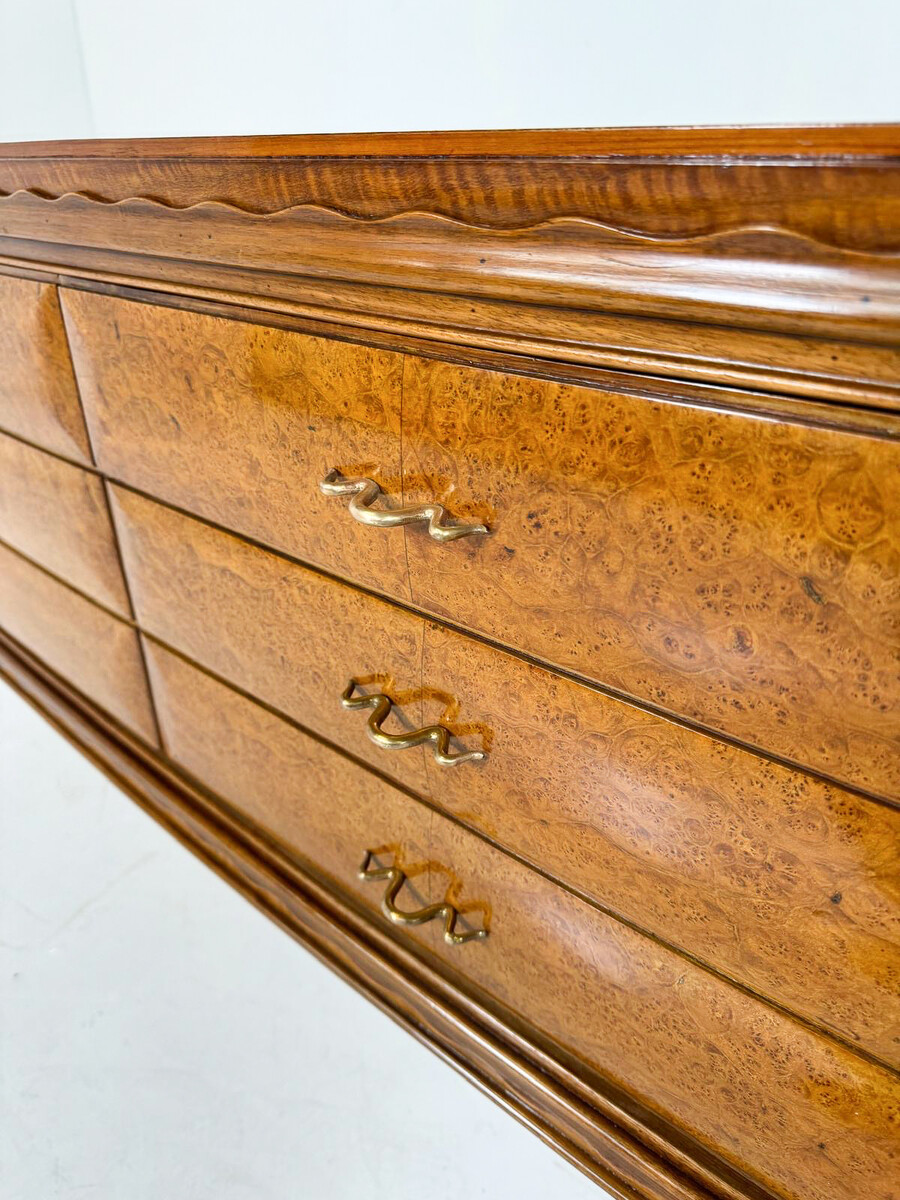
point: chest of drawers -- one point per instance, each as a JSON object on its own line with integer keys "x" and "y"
{"x": 484, "y": 551}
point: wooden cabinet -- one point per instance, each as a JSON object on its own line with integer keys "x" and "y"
{"x": 483, "y": 550}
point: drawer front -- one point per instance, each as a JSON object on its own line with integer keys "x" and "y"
{"x": 240, "y": 423}
{"x": 723, "y": 1066}
{"x": 708, "y": 846}
{"x": 288, "y": 636}
{"x": 92, "y": 650}
{"x": 38, "y": 397}
{"x": 784, "y": 883}
{"x": 57, "y": 514}
{"x": 742, "y": 573}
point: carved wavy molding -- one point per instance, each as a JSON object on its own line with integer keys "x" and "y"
{"x": 751, "y": 276}
{"x": 775, "y": 237}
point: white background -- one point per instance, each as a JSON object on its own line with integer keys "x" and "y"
{"x": 110, "y": 68}
{"x": 160, "y": 1038}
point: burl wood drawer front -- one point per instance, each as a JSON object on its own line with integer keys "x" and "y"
{"x": 741, "y": 572}
{"x": 239, "y": 423}
{"x": 789, "y": 885}
{"x": 283, "y": 633}
{"x": 38, "y": 397}
{"x": 57, "y": 514}
{"x": 92, "y": 650}
{"x": 783, "y": 882}
{"x": 801, "y": 1115}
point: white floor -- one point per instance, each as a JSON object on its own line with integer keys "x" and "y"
{"x": 160, "y": 1038}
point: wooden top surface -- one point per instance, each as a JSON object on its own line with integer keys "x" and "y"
{"x": 816, "y": 141}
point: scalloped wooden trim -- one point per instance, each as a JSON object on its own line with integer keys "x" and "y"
{"x": 750, "y": 237}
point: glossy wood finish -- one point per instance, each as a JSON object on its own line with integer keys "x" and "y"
{"x": 671, "y": 385}
{"x": 740, "y": 573}
{"x": 787, "y": 885}
{"x": 57, "y": 514}
{"x": 795, "y": 142}
{"x": 239, "y": 423}
{"x": 97, "y": 652}
{"x": 38, "y": 397}
{"x": 697, "y": 1050}
{"x": 285, "y": 634}
{"x": 707, "y": 846}
{"x": 603, "y": 1132}
{"x": 737, "y": 245}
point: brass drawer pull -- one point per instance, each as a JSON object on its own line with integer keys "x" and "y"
{"x": 397, "y": 879}
{"x": 365, "y": 492}
{"x": 439, "y": 737}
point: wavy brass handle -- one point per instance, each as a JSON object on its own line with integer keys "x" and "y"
{"x": 397, "y": 879}
{"x": 381, "y": 705}
{"x": 365, "y": 492}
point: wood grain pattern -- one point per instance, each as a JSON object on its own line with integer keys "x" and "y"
{"x": 740, "y": 573}
{"x": 786, "y": 884}
{"x": 723, "y": 1066}
{"x": 835, "y": 370}
{"x": 671, "y": 386}
{"x": 285, "y": 634}
{"x": 98, "y": 653}
{"x": 57, "y": 514}
{"x": 796, "y": 142}
{"x": 707, "y": 846}
{"x": 239, "y": 423}
{"x": 605, "y": 1134}
{"x": 38, "y": 398}
{"x": 754, "y": 277}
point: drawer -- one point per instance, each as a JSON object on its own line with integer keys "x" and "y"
{"x": 239, "y": 423}
{"x": 285, "y": 634}
{"x": 741, "y": 572}
{"x": 90, "y": 649}
{"x": 782, "y": 882}
{"x": 706, "y": 845}
{"x": 38, "y": 396}
{"x": 57, "y": 514}
{"x": 798, "y": 1113}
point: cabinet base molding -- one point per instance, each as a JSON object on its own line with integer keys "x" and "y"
{"x": 603, "y": 1132}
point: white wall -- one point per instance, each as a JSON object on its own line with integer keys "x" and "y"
{"x": 104, "y": 68}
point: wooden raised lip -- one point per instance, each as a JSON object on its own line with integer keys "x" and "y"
{"x": 875, "y": 140}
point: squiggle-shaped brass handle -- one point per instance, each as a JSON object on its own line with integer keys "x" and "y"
{"x": 365, "y": 492}
{"x": 381, "y": 705}
{"x": 430, "y": 913}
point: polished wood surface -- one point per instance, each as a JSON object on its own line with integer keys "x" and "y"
{"x": 797, "y": 142}
{"x": 57, "y": 514}
{"x": 601, "y": 1130}
{"x": 38, "y": 397}
{"x": 738, "y": 239}
{"x": 701, "y": 1052}
{"x": 85, "y": 644}
{"x": 663, "y": 368}
{"x": 718, "y": 566}
{"x": 703, "y": 844}
{"x": 755, "y": 576}
{"x": 285, "y": 634}
{"x": 785, "y": 884}
{"x": 239, "y": 423}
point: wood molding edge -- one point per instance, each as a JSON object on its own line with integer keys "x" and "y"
{"x": 657, "y": 1164}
